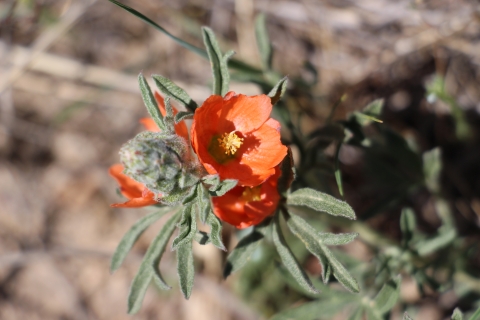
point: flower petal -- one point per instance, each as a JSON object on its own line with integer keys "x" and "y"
{"x": 235, "y": 210}
{"x": 135, "y": 203}
{"x": 264, "y": 150}
{"x": 244, "y": 113}
{"x": 128, "y": 187}
{"x": 149, "y": 124}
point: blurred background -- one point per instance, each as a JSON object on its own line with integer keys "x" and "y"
{"x": 69, "y": 99}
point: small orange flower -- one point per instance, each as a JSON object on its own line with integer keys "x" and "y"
{"x": 243, "y": 207}
{"x": 235, "y": 137}
{"x": 137, "y": 193}
{"x": 180, "y": 128}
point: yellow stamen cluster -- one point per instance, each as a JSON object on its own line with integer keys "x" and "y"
{"x": 252, "y": 194}
{"x": 230, "y": 142}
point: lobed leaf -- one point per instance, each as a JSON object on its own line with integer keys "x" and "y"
{"x": 188, "y": 227}
{"x": 242, "y": 252}
{"x": 289, "y": 260}
{"x": 149, "y": 266}
{"x": 185, "y": 268}
{"x": 215, "y": 231}
{"x": 131, "y": 237}
{"x": 170, "y": 89}
{"x": 320, "y": 201}
{"x": 221, "y": 77}
{"x": 278, "y": 91}
{"x": 150, "y": 102}
{"x": 308, "y": 235}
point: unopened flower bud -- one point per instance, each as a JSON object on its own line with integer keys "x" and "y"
{"x": 160, "y": 162}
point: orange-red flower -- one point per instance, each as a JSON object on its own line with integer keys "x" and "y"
{"x": 243, "y": 207}
{"x": 137, "y": 193}
{"x": 150, "y": 125}
{"x": 235, "y": 137}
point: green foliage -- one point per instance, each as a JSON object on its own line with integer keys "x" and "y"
{"x": 263, "y": 42}
{"x": 315, "y": 244}
{"x": 150, "y": 102}
{"x": 436, "y": 260}
{"x": 388, "y": 296}
{"x": 149, "y": 267}
{"x": 320, "y": 201}
{"x": 278, "y": 91}
{"x": 432, "y": 167}
{"x": 243, "y": 251}
{"x": 457, "y": 314}
{"x": 170, "y": 89}
{"x": 132, "y": 236}
{"x": 185, "y": 268}
{"x": 289, "y": 260}
{"x": 221, "y": 76}
{"x": 436, "y": 89}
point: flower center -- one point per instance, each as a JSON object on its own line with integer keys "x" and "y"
{"x": 252, "y": 194}
{"x": 230, "y": 143}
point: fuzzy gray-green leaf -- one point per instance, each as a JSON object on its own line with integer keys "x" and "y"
{"x": 188, "y": 227}
{"x": 320, "y": 309}
{"x": 388, "y": 296}
{"x": 457, "y": 314}
{"x": 223, "y": 187}
{"x": 147, "y": 270}
{"x": 221, "y": 77}
{"x": 131, "y": 237}
{"x": 320, "y": 201}
{"x": 313, "y": 242}
{"x": 278, "y": 91}
{"x": 185, "y": 268}
{"x": 289, "y": 260}
{"x": 215, "y": 231}
{"x": 169, "y": 88}
{"x": 337, "y": 239}
{"x": 242, "y": 252}
{"x": 183, "y": 115}
{"x": 263, "y": 41}
{"x": 203, "y": 203}
{"x": 150, "y": 102}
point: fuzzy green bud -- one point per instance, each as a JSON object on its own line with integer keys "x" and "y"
{"x": 161, "y": 162}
